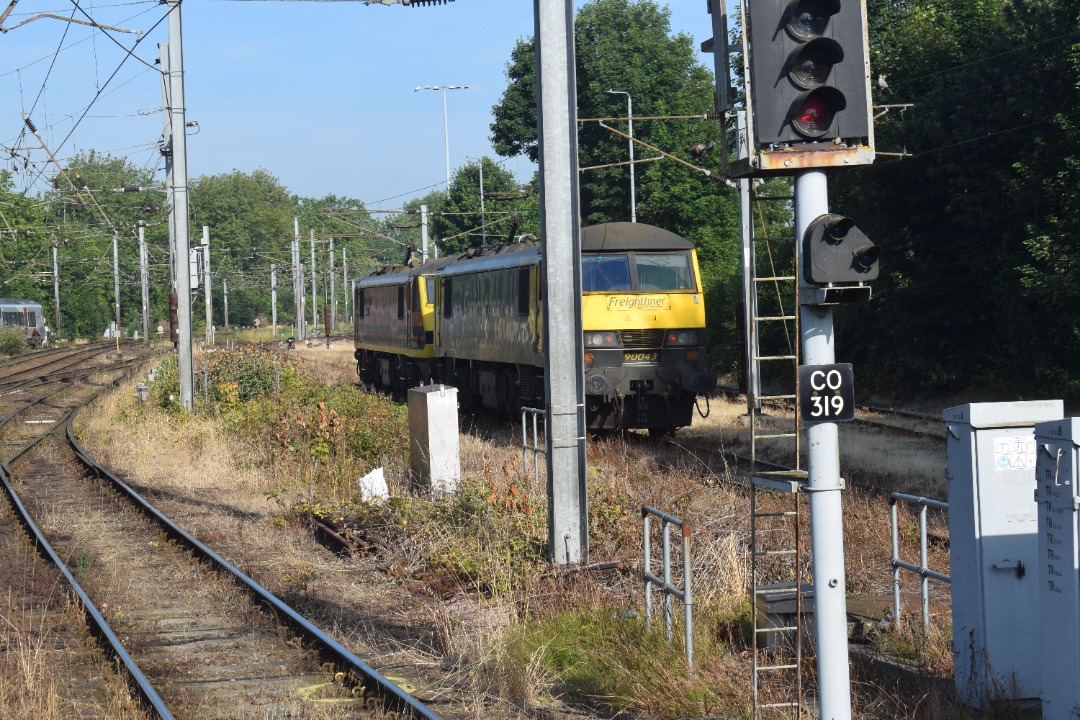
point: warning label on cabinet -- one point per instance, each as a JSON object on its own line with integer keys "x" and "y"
{"x": 1014, "y": 453}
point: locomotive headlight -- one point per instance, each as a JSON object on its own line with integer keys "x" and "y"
{"x": 681, "y": 337}
{"x": 602, "y": 339}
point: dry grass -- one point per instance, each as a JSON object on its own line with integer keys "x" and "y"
{"x": 477, "y": 637}
{"x": 40, "y": 675}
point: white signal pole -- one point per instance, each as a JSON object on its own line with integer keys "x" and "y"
{"x": 314, "y": 298}
{"x": 116, "y": 284}
{"x": 56, "y": 286}
{"x": 144, "y": 282}
{"x": 273, "y": 298}
{"x": 206, "y": 284}
{"x": 423, "y": 234}
{"x": 225, "y": 292}
{"x": 333, "y": 290}
{"x": 630, "y": 141}
{"x": 823, "y": 464}
{"x": 298, "y": 289}
{"x": 345, "y": 284}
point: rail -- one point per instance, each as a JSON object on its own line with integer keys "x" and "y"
{"x": 362, "y": 674}
{"x": 368, "y": 682}
{"x": 924, "y": 572}
{"x": 664, "y": 583}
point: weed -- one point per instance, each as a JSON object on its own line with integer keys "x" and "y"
{"x": 83, "y": 561}
{"x": 606, "y": 653}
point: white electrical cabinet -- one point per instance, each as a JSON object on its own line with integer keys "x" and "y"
{"x": 993, "y": 548}
{"x": 434, "y": 443}
{"x": 1057, "y": 471}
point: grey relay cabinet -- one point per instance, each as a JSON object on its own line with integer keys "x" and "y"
{"x": 993, "y": 547}
{"x": 1057, "y": 471}
{"x": 434, "y": 442}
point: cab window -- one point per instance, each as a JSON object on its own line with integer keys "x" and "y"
{"x": 663, "y": 271}
{"x": 605, "y": 273}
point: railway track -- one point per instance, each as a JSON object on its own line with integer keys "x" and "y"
{"x": 193, "y": 636}
{"x": 906, "y": 422}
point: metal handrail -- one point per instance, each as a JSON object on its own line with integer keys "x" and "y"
{"x": 664, "y": 583}
{"x": 924, "y": 572}
{"x": 535, "y": 446}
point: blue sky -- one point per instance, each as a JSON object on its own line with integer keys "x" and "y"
{"x": 321, "y": 94}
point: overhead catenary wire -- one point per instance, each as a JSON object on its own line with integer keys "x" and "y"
{"x": 129, "y": 53}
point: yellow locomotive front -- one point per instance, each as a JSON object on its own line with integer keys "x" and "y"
{"x": 643, "y": 317}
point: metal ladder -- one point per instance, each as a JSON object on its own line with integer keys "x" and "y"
{"x": 776, "y": 551}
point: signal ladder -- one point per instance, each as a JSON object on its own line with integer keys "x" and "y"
{"x": 773, "y": 351}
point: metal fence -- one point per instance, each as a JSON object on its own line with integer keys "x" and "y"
{"x": 924, "y": 572}
{"x": 664, "y": 583}
{"x": 532, "y": 445}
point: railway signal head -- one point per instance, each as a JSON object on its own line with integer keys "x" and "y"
{"x": 837, "y": 252}
{"x": 809, "y": 77}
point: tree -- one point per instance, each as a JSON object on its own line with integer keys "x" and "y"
{"x": 628, "y": 46}
{"x": 353, "y": 229}
{"x": 249, "y": 216}
{"x": 981, "y": 254}
{"x": 96, "y": 197}
{"x": 509, "y": 209}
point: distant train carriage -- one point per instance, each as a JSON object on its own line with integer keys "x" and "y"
{"x": 488, "y": 329}
{"x": 475, "y": 321}
{"x": 24, "y": 314}
{"x": 393, "y": 325}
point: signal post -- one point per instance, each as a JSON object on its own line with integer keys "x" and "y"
{"x": 809, "y": 108}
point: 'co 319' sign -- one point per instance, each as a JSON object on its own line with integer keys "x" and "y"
{"x": 826, "y": 393}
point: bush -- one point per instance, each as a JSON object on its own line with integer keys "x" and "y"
{"x": 165, "y": 390}
{"x": 246, "y": 373}
{"x": 12, "y": 340}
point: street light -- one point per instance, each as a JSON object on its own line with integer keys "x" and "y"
{"x": 630, "y": 117}
{"x": 446, "y": 128}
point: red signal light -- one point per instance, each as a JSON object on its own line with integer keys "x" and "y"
{"x": 817, "y": 111}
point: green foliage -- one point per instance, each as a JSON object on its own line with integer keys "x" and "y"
{"x": 165, "y": 390}
{"x": 606, "y": 654}
{"x": 84, "y": 561}
{"x": 240, "y": 375}
{"x": 80, "y": 215}
{"x": 628, "y": 46}
{"x": 12, "y": 340}
{"x": 509, "y": 210}
{"x": 623, "y": 45}
{"x": 979, "y": 228}
{"x": 486, "y": 537}
{"x": 263, "y": 397}
{"x": 250, "y": 218}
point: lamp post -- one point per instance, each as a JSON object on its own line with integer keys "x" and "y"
{"x": 446, "y": 127}
{"x": 630, "y": 118}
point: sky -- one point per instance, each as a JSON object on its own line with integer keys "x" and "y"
{"x": 320, "y": 94}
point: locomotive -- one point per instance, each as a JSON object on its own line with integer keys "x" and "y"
{"x": 474, "y": 321}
